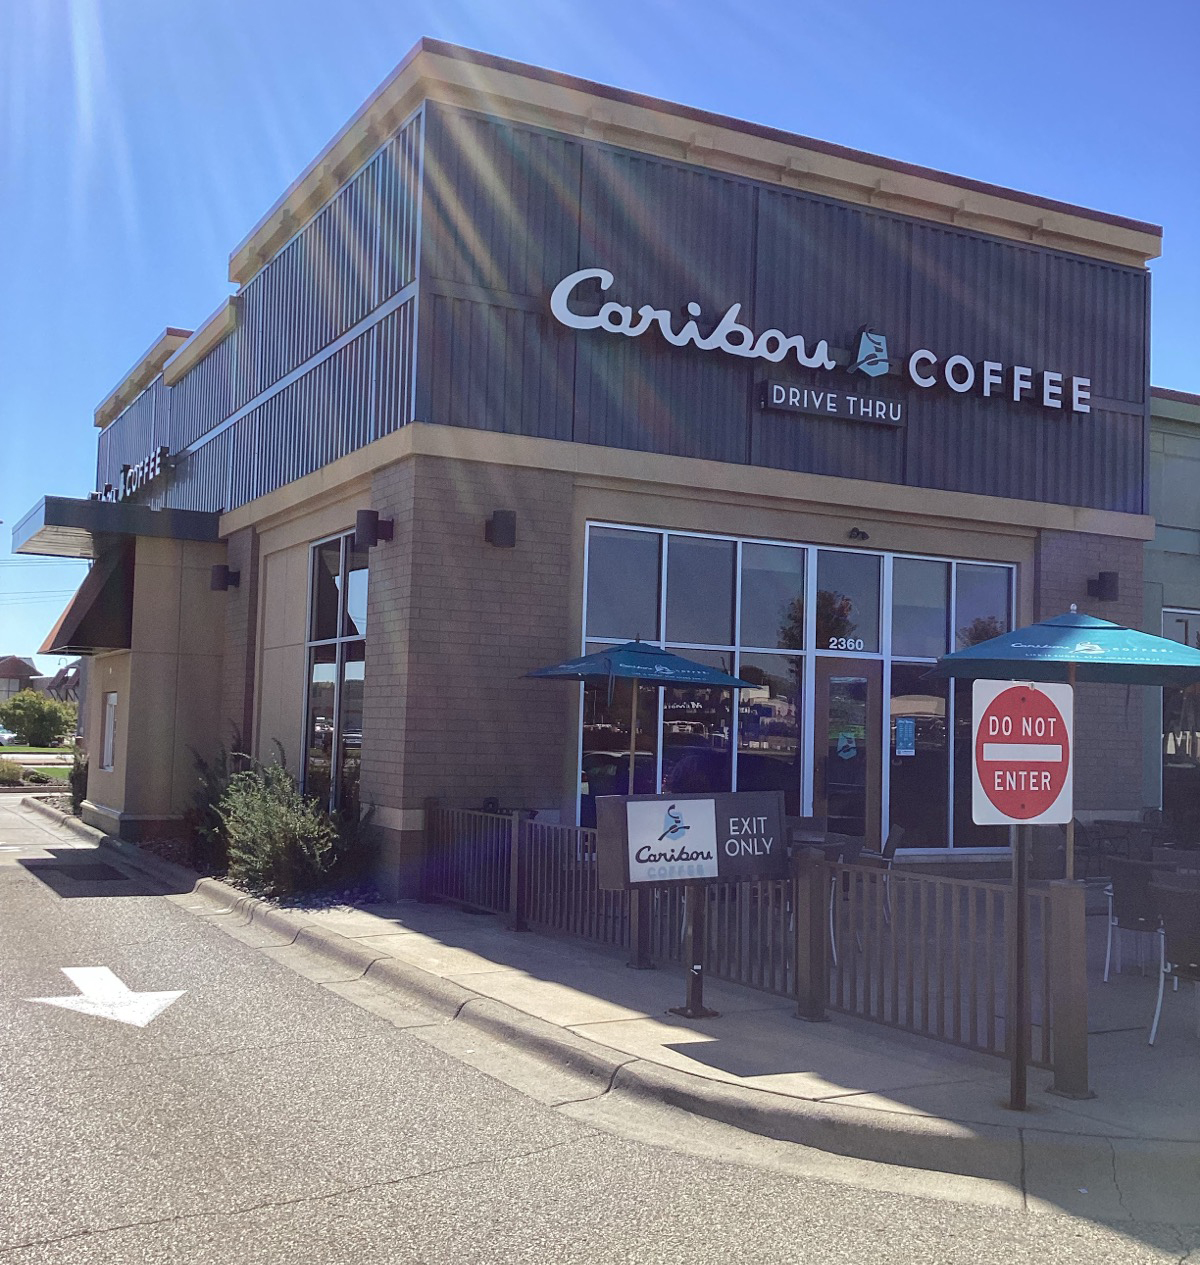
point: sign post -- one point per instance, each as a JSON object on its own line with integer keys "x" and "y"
{"x": 689, "y": 841}
{"x": 1021, "y": 775}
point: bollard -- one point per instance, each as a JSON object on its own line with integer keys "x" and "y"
{"x": 1067, "y": 946}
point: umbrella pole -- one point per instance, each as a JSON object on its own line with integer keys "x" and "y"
{"x": 632, "y": 732}
{"x": 1069, "y": 863}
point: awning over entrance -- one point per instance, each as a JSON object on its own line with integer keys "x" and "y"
{"x": 100, "y": 615}
{"x": 65, "y": 527}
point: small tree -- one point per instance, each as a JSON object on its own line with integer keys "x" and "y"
{"x": 38, "y": 721}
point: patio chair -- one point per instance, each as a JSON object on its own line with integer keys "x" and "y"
{"x": 1130, "y": 905}
{"x": 1178, "y": 943}
{"x": 851, "y": 846}
{"x": 884, "y": 859}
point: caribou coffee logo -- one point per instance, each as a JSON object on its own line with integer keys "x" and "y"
{"x": 678, "y": 844}
{"x": 872, "y": 354}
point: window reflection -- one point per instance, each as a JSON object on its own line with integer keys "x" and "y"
{"x": 354, "y": 621}
{"x": 700, "y": 590}
{"x": 847, "y": 601}
{"x": 605, "y": 762}
{"x": 327, "y": 564}
{"x": 350, "y": 731}
{"x": 772, "y": 596}
{"x": 1181, "y": 738}
{"x": 919, "y": 759}
{"x": 322, "y": 692}
{"x": 698, "y": 733}
{"x": 966, "y": 833}
{"x": 920, "y": 607}
{"x": 769, "y": 752}
{"x": 982, "y": 604}
{"x": 622, "y": 584}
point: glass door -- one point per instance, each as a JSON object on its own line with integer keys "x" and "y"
{"x": 848, "y": 727}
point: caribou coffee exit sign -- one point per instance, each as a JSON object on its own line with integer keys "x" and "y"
{"x": 1022, "y": 743}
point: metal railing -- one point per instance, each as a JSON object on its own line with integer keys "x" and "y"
{"x": 928, "y": 955}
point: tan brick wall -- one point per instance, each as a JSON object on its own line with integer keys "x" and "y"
{"x": 453, "y": 625}
{"x": 1108, "y": 718}
{"x": 241, "y": 627}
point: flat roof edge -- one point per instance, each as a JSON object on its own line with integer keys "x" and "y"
{"x": 141, "y": 375}
{"x": 1129, "y": 238}
{"x": 68, "y": 527}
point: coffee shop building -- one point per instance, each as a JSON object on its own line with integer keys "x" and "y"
{"x": 587, "y": 366}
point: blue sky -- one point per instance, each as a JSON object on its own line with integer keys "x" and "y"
{"x": 139, "y": 142}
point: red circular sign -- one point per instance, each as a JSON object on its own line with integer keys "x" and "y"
{"x": 1022, "y": 752}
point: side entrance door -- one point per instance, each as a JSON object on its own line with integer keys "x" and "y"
{"x": 848, "y": 787}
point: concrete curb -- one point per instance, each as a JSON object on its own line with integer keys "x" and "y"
{"x": 990, "y": 1152}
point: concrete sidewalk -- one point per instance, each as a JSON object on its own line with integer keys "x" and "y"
{"x": 846, "y": 1086}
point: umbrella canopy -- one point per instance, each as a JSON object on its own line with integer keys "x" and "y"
{"x": 1096, "y": 649}
{"x": 636, "y": 660}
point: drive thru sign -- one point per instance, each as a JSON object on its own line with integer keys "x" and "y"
{"x": 1022, "y": 747}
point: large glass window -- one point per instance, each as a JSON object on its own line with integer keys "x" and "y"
{"x": 769, "y": 752}
{"x": 336, "y": 674}
{"x": 745, "y": 606}
{"x": 920, "y": 607}
{"x": 919, "y": 769}
{"x": 848, "y": 601}
{"x": 622, "y": 585}
{"x": 982, "y": 607}
{"x": 700, "y": 590}
{"x": 1181, "y": 737}
{"x": 772, "y": 597}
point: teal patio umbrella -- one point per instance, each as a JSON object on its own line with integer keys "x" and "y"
{"x": 637, "y": 661}
{"x": 1075, "y": 647}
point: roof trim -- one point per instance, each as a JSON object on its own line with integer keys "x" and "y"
{"x": 210, "y": 333}
{"x": 141, "y": 375}
{"x": 1180, "y": 397}
{"x": 436, "y": 70}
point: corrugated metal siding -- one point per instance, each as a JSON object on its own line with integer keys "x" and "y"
{"x": 200, "y": 479}
{"x": 510, "y": 210}
{"x": 358, "y": 252}
{"x": 203, "y": 397}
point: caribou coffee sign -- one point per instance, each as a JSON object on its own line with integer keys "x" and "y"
{"x": 923, "y": 368}
{"x": 689, "y": 838}
{"x": 135, "y": 477}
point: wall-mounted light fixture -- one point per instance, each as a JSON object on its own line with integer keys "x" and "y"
{"x": 223, "y": 578}
{"x": 1106, "y": 586}
{"x": 857, "y": 533}
{"x": 370, "y": 529}
{"x": 501, "y": 529}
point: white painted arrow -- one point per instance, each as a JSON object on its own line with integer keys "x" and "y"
{"x": 102, "y": 994}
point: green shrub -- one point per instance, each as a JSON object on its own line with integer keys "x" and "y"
{"x": 280, "y": 843}
{"x": 205, "y": 828}
{"x": 78, "y": 778}
{"x": 10, "y": 773}
{"x": 36, "y": 719}
{"x": 35, "y": 777}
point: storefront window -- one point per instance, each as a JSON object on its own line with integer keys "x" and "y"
{"x": 818, "y": 722}
{"x": 920, "y": 765}
{"x": 920, "y": 607}
{"x": 966, "y": 833}
{"x": 697, "y": 733}
{"x": 336, "y": 674}
{"x": 622, "y": 586}
{"x": 769, "y": 756}
{"x": 700, "y": 590}
{"x": 1181, "y": 737}
{"x": 848, "y": 601}
{"x": 982, "y": 606}
{"x": 772, "y": 596}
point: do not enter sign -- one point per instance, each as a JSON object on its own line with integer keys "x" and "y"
{"x": 1022, "y": 746}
